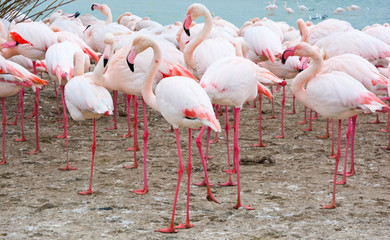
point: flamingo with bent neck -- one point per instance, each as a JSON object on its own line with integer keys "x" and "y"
{"x": 182, "y": 102}
{"x": 334, "y": 95}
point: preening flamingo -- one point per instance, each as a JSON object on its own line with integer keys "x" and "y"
{"x": 86, "y": 100}
{"x": 12, "y": 79}
{"x": 334, "y": 95}
{"x": 232, "y": 81}
{"x": 182, "y": 102}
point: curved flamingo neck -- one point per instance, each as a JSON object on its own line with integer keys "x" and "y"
{"x": 106, "y": 12}
{"x": 198, "y": 39}
{"x": 303, "y": 29}
{"x": 300, "y": 81}
{"x": 98, "y": 73}
{"x": 78, "y": 63}
{"x": 147, "y": 92}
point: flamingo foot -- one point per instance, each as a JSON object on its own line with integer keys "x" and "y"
{"x": 214, "y": 141}
{"x": 67, "y": 168}
{"x": 32, "y": 115}
{"x": 12, "y": 123}
{"x": 36, "y": 151}
{"x": 130, "y": 167}
{"x": 374, "y": 122}
{"x": 386, "y": 148}
{"x": 307, "y": 129}
{"x": 233, "y": 171}
{"x": 22, "y": 139}
{"x": 332, "y": 156}
{"x": 208, "y": 157}
{"x": 132, "y": 149}
{"x": 184, "y": 226}
{"x": 112, "y": 128}
{"x": 228, "y": 183}
{"x": 292, "y": 112}
{"x": 61, "y": 136}
{"x": 350, "y": 173}
{"x": 89, "y": 192}
{"x": 271, "y": 117}
{"x": 167, "y": 230}
{"x": 141, "y": 191}
{"x": 331, "y": 206}
{"x": 203, "y": 183}
{"x": 3, "y": 162}
{"x": 259, "y": 145}
{"x": 281, "y": 136}
{"x": 323, "y": 136}
{"x": 343, "y": 182}
{"x": 304, "y": 122}
{"x": 385, "y": 130}
{"x": 211, "y": 198}
{"x": 126, "y": 135}
{"x": 247, "y": 207}
{"x": 254, "y": 106}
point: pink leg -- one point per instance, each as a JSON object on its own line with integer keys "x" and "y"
{"x": 21, "y": 99}
{"x": 67, "y": 167}
{"x": 254, "y": 104}
{"x": 273, "y": 107}
{"x": 315, "y": 116}
{"x": 327, "y": 130}
{"x": 293, "y": 110}
{"x": 309, "y": 128}
{"x": 115, "y": 98}
{"x": 376, "y": 121}
{"x": 37, "y": 149}
{"x": 204, "y": 183}
{"x": 146, "y": 136}
{"x": 135, "y": 136}
{"x": 216, "y": 133}
{"x": 260, "y": 144}
{"x": 344, "y": 173}
{"x": 227, "y": 143}
{"x": 58, "y": 106}
{"x": 210, "y": 196}
{"x": 89, "y": 191}
{"x": 189, "y": 170}
{"x": 236, "y": 157}
{"x": 388, "y": 124}
{"x": 338, "y": 154}
{"x": 352, "y": 171}
{"x": 4, "y": 123}
{"x": 171, "y": 228}
{"x": 127, "y": 100}
{"x": 332, "y": 155}
{"x": 305, "y": 119}
{"x": 17, "y": 110}
{"x": 282, "y": 117}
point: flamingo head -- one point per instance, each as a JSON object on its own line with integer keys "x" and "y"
{"x": 140, "y": 44}
{"x": 96, "y": 6}
{"x": 194, "y": 11}
{"x": 287, "y": 53}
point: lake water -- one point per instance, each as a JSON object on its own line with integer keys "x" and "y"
{"x": 238, "y": 11}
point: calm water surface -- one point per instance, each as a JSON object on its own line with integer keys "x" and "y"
{"x": 238, "y": 11}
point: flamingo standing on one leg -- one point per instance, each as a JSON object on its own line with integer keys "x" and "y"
{"x": 30, "y": 40}
{"x": 86, "y": 100}
{"x": 182, "y": 102}
{"x": 334, "y": 95}
{"x": 12, "y": 80}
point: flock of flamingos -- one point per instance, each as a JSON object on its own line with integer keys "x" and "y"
{"x": 188, "y": 71}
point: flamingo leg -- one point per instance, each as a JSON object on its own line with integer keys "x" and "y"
{"x": 21, "y": 99}
{"x": 338, "y": 154}
{"x": 36, "y": 107}
{"x": 216, "y": 133}
{"x": 305, "y": 119}
{"x": 282, "y": 117}
{"x": 189, "y": 170}
{"x": 115, "y": 98}
{"x": 89, "y": 191}
{"x": 230, "y": 172}
{"x": 293, "y": 103}
{"x": 348, "y": 137}
{"x": 4, "y": 123}
{"x": 171, "y": 228}
{"x": 17, "y": 110}
{"x": 376, "y": 121}
{"x": 210, "y": 196}
{"x": 260, "y": 144}
{"x": 68, "y": 167}
{"x": 273, "y": 107}
{"x": 309, "y": 128}
{"x": 352, "y": 171}
{"x": 127, "y": 105}
{"x": 388, "y": 124}
{"x": 208, "y": 144}
{"x": 327, "y": 130}
{"x": 204, "y": 183}
{"x": 145, "y": 136}
{"x": 135, "y": 126}
{"x": 58, "y": 106}
{"x": 332, "y": 155}
{"x": 236, "y": 152}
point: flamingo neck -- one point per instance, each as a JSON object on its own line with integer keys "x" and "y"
{"x": 304, "y": 32}
{"x": 78, "y": 64}
{"x": 98, "y": 73}
{"x": 198, "y": 39}
{"x": 147, "y": 92}
{"x": 107, "y": 13}
{"x": 299, "y": 83}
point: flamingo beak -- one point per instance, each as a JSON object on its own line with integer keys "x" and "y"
{"x": 187, "y": 23}
{"x": 94, "y": 6}
{"x": 287, "y": 53}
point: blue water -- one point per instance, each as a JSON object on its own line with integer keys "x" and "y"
{"x": 238, "y": 11}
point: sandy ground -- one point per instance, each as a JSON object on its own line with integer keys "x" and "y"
{"x": 286, "y": 182}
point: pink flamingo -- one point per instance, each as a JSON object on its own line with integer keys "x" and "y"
{"x": 86, "y": 100}
{"x": 182, "y": 102}
{"x": 232, "y": 81}
{"x": 334, "y": 95}
{"x": 12, "y": 79}
{"x": 30, "y": 40}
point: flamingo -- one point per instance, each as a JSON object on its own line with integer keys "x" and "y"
{"x": 271, "y": 7}
{"x": 182, "y": 102}
{"x": 30, "y": 40}
{"x": 128, "y": 20}
{"x": 86, "y": 100}
{"x": 353, "y": 8}
{"x": 334, "y": 95}
{"x": 233, "y": 81}
{"x": 288, "y": 10}
{"x": 388, "y": 98}
{"x": 339, "y": 10}
{"x": 12, "y": 79}
{"x": 303, "y": 8}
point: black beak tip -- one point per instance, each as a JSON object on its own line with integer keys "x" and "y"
{"x": 187, "y": 31}
{"x": 131, "y": 66}
{"x": 105, "y": 61}
{"x": 283, "y": 60}
{"x": 93, "y": 5}
{"x": 77, "y": 14}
